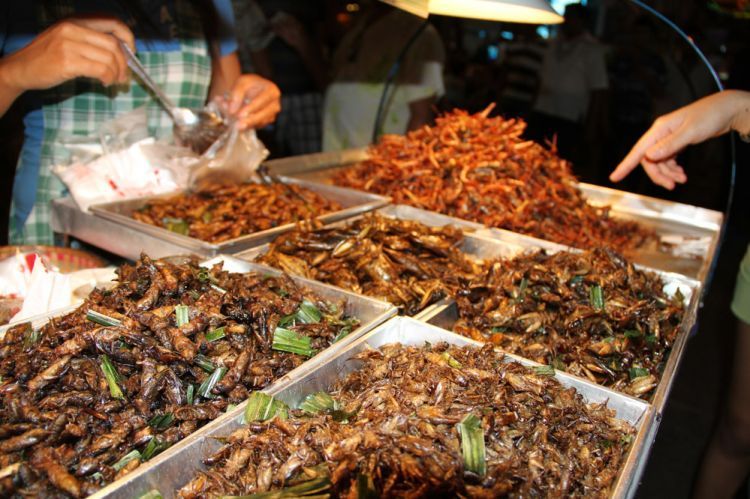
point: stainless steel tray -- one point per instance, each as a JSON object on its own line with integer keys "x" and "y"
{"x": 371, "y": 313}
{"x": 685, "y": 224}
{"x": 180, "y": 463}
{"x": 124, "y": 241}
{"x": 445, "y": 314}
{"x": 476, "y": 244}
{"x": 353, "y": 202}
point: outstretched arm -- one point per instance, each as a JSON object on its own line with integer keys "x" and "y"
{"x": 78, "y": 46}
{"x": 706, "y": 118}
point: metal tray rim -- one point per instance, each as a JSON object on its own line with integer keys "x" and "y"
{"x": 658, "y": 402}
{"x": 623, "y": 486}
{"x": 369, "y": 202}
{"x": 388, "y": 311}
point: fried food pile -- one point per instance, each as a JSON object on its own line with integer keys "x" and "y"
{"x": 436, "y": 421}
{"x": 92, "y": 394}
{"x": 591, "y": 314}
{"x": 220, "y": 213}
{"x": 481, "y": 169}
{"x": 403, "y": 262}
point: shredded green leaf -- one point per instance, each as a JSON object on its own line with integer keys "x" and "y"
{"x": 152, "y": 494}
{"x": 472, "y": 444}
{"x": 651, "y": 338}
{"x": 308, "y": 313}
{"x": 632, "y": 334}
{"x": 161, "y": 422}
{"x": 204, "y": 363}
{"x": 216, "y": 334}
{"x": 558, "y": 364}
{"x": 286, "y": 340}
{"x": 177, "y": 225}
{"x": 190, "y": 394}
{"x": 155, "y": 446}
{"x": 366, "y": 487}
{"x": 597, "y": 297}
{"x": 182, "y": 314}
{"x": 450, "y": 360}
{"x": 638, "y": 372}
{"x": 207, "y": 216}
{"x": 522, "y": 289}
{"x": 130, "y": 456}
{"x": 544, "y": 370}
{"x": 32, "y": 336}
{"x": 318, "y": 402}
{"x": 262, "y": 407}
{"x": 205, "y": 389}
{"x": 112, "y": 377}
{"x": 101, "y": 319}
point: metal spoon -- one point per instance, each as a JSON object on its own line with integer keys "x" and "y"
{"x": 196, "y": 130}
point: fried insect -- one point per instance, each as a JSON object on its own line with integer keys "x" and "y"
{"x": 591, "y": 314}
{"x": 395, "y": 430}
{"x": 403, "y": 262}
{"x": 481, "y": 169}
{"x": 137, "y": 368}
{"x": 220, "y": 213}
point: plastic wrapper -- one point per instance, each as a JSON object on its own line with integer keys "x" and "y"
{"x": 234, "y": 158}
{"x": 123, "y": 163}
{"x": 30, "y": 286}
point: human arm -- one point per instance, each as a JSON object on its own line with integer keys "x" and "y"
{"x": 706, "y": 118}
{"x": 252, "y": 99}
{"x": 75, "y": 47}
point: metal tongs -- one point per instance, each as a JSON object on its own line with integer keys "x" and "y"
{"x": 194, "y": 129}
{"x": 269, "y": 178}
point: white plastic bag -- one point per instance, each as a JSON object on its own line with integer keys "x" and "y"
{"x": 143, "y": 169}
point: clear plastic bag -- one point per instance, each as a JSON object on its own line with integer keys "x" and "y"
{"x": 123, "y": 163}
{"x": 233, "y": 158}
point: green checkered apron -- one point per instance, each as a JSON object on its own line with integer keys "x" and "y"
{"x": 79, "y": 108}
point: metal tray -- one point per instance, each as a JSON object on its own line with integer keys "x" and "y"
{"x": 371, "y": 313}
{"x": 686, "y": 225}
{"x": 353, "y": 202}
{"x": 124, "y": 241}
{"x": 186, "y": 458}
{"x": 476, "y": 244}
{"x": 445, "y": 315}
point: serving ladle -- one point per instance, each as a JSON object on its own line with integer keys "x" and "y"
{"x": 194, "y": 129}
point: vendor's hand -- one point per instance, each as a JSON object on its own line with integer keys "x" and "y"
{"x": 709, "y": 117}
{"x": 75, "y": 47}
{"x": 254, "y": 101}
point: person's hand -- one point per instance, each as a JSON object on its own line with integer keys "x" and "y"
{"x": 253, "y": 101}
{"x": 75, "y": 47}
{"x": 709, "y": 117}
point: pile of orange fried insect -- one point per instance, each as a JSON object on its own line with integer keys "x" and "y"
{"x": 481, "y": 168}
